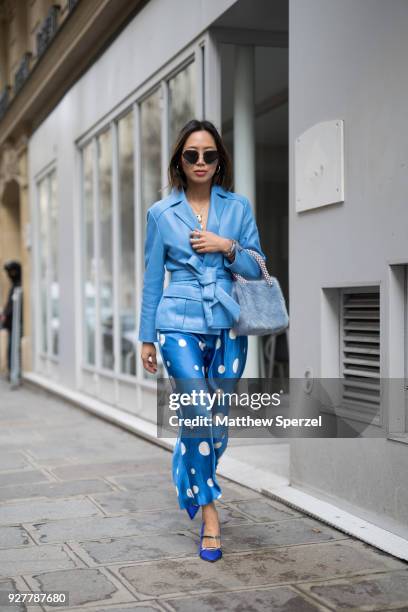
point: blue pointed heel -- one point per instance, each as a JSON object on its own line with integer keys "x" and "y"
{"x": 209, "y": 554}
{"x": 192, "y": 511}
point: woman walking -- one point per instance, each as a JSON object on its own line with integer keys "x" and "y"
{"x": 199, "y": 233}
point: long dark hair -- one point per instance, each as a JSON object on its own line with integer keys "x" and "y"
{"x": 176, "y": 175}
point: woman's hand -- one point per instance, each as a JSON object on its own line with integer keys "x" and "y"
{"x": 204, "y": 241}
{"x": 149, "y": 357}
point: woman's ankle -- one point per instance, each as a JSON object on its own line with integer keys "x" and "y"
{"x": 210, "y": 514}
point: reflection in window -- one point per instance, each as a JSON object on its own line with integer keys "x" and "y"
{"x": 181, "y": 100}
{"x": 150, "y": 149}
{"x": 104, "y": 144}
{"x": 48, "y": 268}
{"x": 127, "y": 298}
{"x": 89, "y": 267}
{"x": 54, "y": 292}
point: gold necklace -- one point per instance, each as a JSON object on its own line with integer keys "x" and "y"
{"x": 199, "y": 215}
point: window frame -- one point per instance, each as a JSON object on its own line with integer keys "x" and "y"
{"x": 201, "y": 50}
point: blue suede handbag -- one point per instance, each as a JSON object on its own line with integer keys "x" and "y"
{"x": 263, "y": 308}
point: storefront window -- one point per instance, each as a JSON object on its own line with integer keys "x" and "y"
{"x": 105, "y": 258}
{"x": 127, "y": 297}
{"x": 48, "y": 265}
{"x": 150, "y": 150}
{"x": 43, "y": 193}
{"x": 54, "y": 290}
{"x": 89, "y": 295}
{"x": 109, "y": 206}
{"x": 150, "y": 146}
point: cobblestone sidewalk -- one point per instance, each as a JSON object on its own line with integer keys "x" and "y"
{"x": 89, "y": 508}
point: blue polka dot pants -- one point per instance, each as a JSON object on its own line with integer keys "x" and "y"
{"x": 193, "y": 361}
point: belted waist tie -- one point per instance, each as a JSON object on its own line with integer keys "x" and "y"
{"x": 211, "y": 290}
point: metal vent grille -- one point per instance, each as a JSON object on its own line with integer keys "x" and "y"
{"x": 360, "y": 351}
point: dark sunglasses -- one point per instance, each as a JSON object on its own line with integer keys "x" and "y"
{"x": 191, "y": 156}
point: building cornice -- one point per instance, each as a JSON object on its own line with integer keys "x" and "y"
{"x": 78, "y": 42}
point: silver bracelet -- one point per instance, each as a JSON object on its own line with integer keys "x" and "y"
{"x": 231, "y": 250}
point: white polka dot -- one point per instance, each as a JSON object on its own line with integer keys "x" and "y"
{"x": 235, "y": 365}
{"x": 210, "y": 482}
{"x": 168, "y": 363}
{"x": 162, "y": 339}
{"x": 218, "y": 343}
{"x": 201, "y": 345}
{"x": 177, "y": 471}
{"x": 219, "y": 495}
{"x": 183, "y": 448}
{"x": 221, "y": 369}
{"x": 177, "y": 490}
{"x": 195, "y": 489}
{"x": 204, "y": 448}
{"x": 182, "y": 342}
{"x": 232, "y": 334}
{"x": 190, "y": 493}
{"x": 196, "y": 367}
{"x": 192, "y": 470}
{"x": 217, "y": 444}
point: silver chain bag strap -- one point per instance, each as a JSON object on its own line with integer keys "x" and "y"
{"x": 262, "y": 304}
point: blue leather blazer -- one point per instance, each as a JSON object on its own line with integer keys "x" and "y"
{"x": 198, "y": 296}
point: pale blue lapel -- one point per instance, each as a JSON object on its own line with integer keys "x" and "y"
{"x": 184, "y": 211}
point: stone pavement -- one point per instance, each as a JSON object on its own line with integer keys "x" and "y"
{"x": 89, "y": 508}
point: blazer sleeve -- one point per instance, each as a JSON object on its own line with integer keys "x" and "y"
{"x": 155, "y": 256}
{"x": 244, "y": 263}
